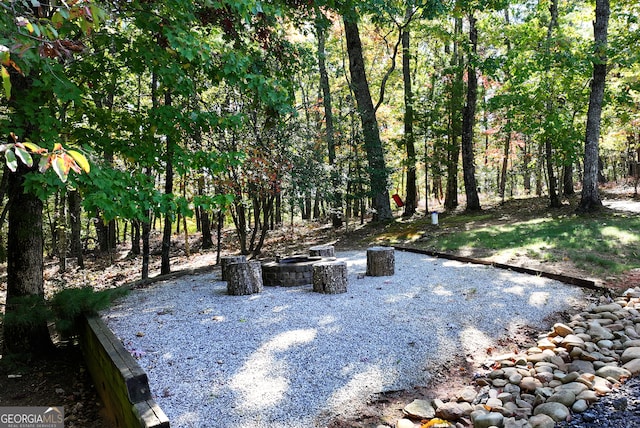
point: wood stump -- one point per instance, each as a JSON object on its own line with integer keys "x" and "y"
{"x": 244, "y": 278}
{"x": 227, "y": 260}
{"x": 380, "y": 261}
{"x": 322, "y": 251}
{"x": 330, "y": 277}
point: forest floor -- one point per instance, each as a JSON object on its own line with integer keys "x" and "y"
{"x": 62, "y": 380}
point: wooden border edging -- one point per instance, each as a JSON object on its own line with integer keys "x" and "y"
{"x": 585, "y": 283}
{"x": 119, "y": 379}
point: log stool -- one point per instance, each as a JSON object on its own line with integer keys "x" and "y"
{"x": 380, "y": 261}
{"x": 330, "y": 277}
{"x": 227, "y": 260}
{"x": 244, "y": 278}
{"x": 322, "y": 251}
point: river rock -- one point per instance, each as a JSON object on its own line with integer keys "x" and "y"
{"x": 420, "y": 409}
{"x": 556, "y": 411}
{"x": 565, "y": 397}
{"x": 487, "y": 420}
{"x": 542, "y": 421}
{"x": 631, "y": 353}
{"x": 452, "y": 411}
{"x": 633, "y": 366}
{"x": 614, "y": 372}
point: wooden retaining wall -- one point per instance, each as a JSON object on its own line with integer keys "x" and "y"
{"x": 119, "y": 379}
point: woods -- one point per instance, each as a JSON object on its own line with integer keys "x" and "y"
{"x": 204, "y": 115}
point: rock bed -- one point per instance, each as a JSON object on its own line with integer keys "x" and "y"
{"x": 556, "y": 381}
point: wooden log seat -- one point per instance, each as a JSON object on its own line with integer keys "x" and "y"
{"x": 330, "y": 277}
{"x": 227, "y": 260}
{"x": 244, "y": 278}
{"x": 380, "y": 261}
{"x": 322, "y": 251}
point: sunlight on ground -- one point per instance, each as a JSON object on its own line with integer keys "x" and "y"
{"x": 474, "y": 341}
{"x": 256, "y": 384}
{"x": 539, "y": 299}
{"x": 623, "y": 236}
{"x": 372, "y": 379}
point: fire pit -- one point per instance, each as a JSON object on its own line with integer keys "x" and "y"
{"x": 290, "y": 271}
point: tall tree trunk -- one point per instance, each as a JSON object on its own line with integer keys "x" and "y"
{"x": 75, "y": 216}
{"x": 554, "y": 199}
{"x": 454, "y": 123}
{"x": 411, "y": 196}
{"x": 567, "y": 180}
{"x": 336, "y": 203}
{"x": 468, "y": 122}
{"x": 165, "y": 265}
{"x": 25, "y": 264}
{"x": 590, "y": 198}
{"x": 378, "y": 175}
{"x": 502, "y": 184}
{"x": 61, "y": 231}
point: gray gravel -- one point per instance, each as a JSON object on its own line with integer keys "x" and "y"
{"x": 290, "y": 358}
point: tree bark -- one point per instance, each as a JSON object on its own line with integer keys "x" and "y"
{"x": 75, "y": 214}
{"x": 336, "y": 202}
{"x": 590, "y": 198}
{"x": 554, "y": 199}
{"x": 468, "y": 122}
{"x": 25, "y": 265}
{"x": 378, "y": 174}
{"x": 411, "y": 195}
{"x": 165, "y": 265}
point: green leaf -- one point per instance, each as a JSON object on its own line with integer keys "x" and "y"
{"x": 10, "y": 158}
{"x": 24, "y": 156}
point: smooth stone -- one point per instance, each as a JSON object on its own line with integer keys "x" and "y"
{"x": 422, "y": 409}
{"x": 565, "y": 397}
{"x": 544, "y": 377}
{"x": 505, "y": 397}
{"x": 633, "y": 366}
{"x": 515, "y": 378}
{"x": 601, "y": 385}
{"x": 405, "y": 423}
{"x": 611, "y": 307}
{"x": 571, "y": 341}
{"x": 631, "y": 353}
{"x": 546, "y": 344}
{"x": 562, "y": 329}
{"x": 468, "y": 394}
{"x": 580, "y": 406}
{"x": 556, "y": 411}
{"x": 581, "y": 366}
{"x": 614, "y": 372}
{"x": 631, "y": 343}
{"x": 570, "y": 377}
{"x": 575, "y": 387}
{"x": 452, "y": 411}
{"x": 542, "y": 421}
{"x": 607, "y": 344}
{"x": 487, "y": 420}
{"x": 493, "y": 403}
{"x": 499, "y": 383}
{"x": 597, "y": 332}
{"x": 516, "y": 423}
{"x": 588, "y": 395}
{"x": 530, "y": 383}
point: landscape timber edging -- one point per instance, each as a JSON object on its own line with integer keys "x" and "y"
{"x": 120, "y": 381}
{"x": 580, "y": 282}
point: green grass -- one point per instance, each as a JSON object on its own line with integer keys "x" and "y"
{"x": 600, "y": 244}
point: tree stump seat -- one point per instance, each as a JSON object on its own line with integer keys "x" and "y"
{"x": 322, "y": 251}
{"x": 380, "y": 261}
{"x": 330, "y": 277}
{"x": 244, "y": 278}
{"x": 227, "y": 260}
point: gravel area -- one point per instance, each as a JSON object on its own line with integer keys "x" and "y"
{"x": 289, "y": 357}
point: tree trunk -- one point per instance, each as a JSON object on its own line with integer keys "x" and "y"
{"x": 454, "y": 123}
{"x": 468, "y": 122}
{"x": 411, "y": 196}
{"x": 567, "y": 180}
{"x": 590, "y": 198}
{"x": 554, "y": 199}
{"x": 165, "y": 266}
{"x": 336, "y": 202}
{"x": 378, "y": 175}
{"x": 75, "y": 215}
{"x": 25, "y": 264}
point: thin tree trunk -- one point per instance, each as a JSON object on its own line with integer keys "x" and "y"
{"x": 336, "y": 203}
{"x": 378, "y": 175}
{"x": 590, "y": 198}
{"x": 411, "y": 196}
{"x": 468, "y": 122}
{"x": 454, "y": 123}
{"x": 75, "y": 216}
{"x": 554, "y": 199}
{"x": 165, "y": 266}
